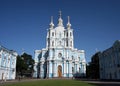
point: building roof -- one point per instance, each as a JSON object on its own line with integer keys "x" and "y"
{"x": 6, "y": 49}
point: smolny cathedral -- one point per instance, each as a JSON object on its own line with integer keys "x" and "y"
{"x": 59, "y": 59}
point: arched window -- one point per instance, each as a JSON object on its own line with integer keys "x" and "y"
{"x": 71, "y": 43}
{"x": 67, "y": 43}
{"x": 67, "y": 34}
{"x": 72, "y": 58}
{"x": 52, "y": 43}
{"x": 52, "y": 33}
{"x": 72, "y": 70}
{"x": 70, "y": 33}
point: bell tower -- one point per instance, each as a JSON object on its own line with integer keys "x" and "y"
{"x": 69, "y": 35}
{"x": 50, "y": 35}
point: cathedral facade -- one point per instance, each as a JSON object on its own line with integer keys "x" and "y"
{"x": 59, "y": 58}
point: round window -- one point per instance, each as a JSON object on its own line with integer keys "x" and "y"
{"x": 59, "y": 55}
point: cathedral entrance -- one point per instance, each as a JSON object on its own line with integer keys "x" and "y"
{"x": 59, "y": 71}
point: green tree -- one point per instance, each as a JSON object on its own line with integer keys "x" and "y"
{"x": 25, "y": 65}
{"x": 93, "y": 67}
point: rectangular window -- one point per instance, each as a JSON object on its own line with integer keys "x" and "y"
{"x": 70, "y": 34}
{"x": 52, "y": 43}
{"x": 71, "y": 43}
{"x": 67, "y": 43}
{"x": 67, "y": 34}
{"x": 52, "y": 33}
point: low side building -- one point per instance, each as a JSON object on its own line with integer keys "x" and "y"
{"x": 109, "y": 61}
{"x": 7, "y": 64}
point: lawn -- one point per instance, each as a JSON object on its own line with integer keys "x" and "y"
{"x": 51, "y": 82}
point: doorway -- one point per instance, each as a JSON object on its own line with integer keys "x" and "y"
{"x": 59, "y": 71}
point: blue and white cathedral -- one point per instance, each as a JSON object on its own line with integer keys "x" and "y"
{"x": 59, "y": 58}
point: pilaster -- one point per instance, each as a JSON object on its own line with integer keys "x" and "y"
{"x": 41, "y": 70}
{"x": 47, "y": 69}
{"x": 50, "y": 69}
{"x": 55, "y": 69}
{"x": 64, "y": 73}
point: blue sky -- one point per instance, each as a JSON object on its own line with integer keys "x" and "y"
{"x": 24, "y": 23}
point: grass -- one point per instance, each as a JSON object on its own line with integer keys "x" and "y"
{"x": 50, "y": 82}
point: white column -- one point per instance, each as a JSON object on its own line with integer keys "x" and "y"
{"x": 47, "y": 69}
{"x": 70, "y": 69}
{"x": 65, "y": 69}
{"x": 50, "y": 69}
{"x": 41, "y": 70}
{"x": 77, "y": 67}
{"x": 84, "y": 68}
{"x": 65, "y": 43}
{"x": 67, "y": 54}
{"x": 55, "y": 70}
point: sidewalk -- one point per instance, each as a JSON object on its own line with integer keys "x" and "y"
{"x": 102, "y": 83}
{"x": 17, "y": 80}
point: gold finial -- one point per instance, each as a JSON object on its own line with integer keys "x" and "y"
{"x": 51, "y": 23}
{"x": 68, "y": 24}
{"x": 69, "y": 19}
{"x": 52, "y": 19}
{"x": 60, "y": 21}
{"x": 60, "y": 13}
